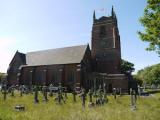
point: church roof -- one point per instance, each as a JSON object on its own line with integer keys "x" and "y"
{"x": 64, "y": 55}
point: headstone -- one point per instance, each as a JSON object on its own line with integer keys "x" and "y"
{"x": 12, "y": 92}
{"x": 4, "y": 92}
{"x": 21, "y": 90}
{"x": 100, "y": 96}
{"x": 114, "y": 93}
{"x": 105, "y": 99}
{"x": 36, "y": 95}
{"x": 50, "y": 90}
{"x": 74, "y": 95}
{"x": 60, "y": 95}
{"x": 83, "y": 97}
{"x": 44, "y": 91}
{"x": 65, "y": 92}
{"x": 120, "y": 92}
{"x": 133, "y": 99}
{"x": 19, "y": 108}
{"x": 90, "y": 93}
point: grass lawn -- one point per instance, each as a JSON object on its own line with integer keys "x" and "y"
{"x": 148, "y": 108}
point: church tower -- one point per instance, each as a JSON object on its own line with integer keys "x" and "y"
{"x": 106, "y": 51}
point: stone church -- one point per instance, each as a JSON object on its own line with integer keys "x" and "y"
{"x": 75, "y": 66}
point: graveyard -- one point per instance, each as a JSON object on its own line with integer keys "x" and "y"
{"x": 147, "y": 108}
{"x": 80, "y": 60}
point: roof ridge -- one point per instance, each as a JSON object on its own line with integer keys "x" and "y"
{"x": 57, "y": 48}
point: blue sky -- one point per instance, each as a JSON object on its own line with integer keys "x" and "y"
{"x": 29, "y": 25}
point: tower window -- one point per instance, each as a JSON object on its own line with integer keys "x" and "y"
{"x": 102, "y": 31}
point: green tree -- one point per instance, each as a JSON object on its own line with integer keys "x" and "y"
{"x": 126, "y": 67}
{"x": 139, "y": 81}
{"x": 151, "y": 23}
{"x": 2, "y": 75}
{"x": 150, "y": 75}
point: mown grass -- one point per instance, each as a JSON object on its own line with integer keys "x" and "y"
{"x": 148, "y": 108}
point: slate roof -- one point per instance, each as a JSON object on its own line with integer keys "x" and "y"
{"x": 64, "y": 55}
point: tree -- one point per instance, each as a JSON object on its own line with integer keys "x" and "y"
{"x": 2, "y": 75}
{"x": 139, "y": 81}
{"x": 126, "y": 67}
{"x": 150, "y": 75}
{"x": 151, "y": 22}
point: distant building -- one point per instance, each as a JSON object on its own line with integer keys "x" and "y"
{"x": 76, "y": 66}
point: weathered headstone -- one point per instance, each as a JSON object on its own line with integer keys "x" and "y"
{"x": 36, "y": 95}
{"x": 90, "y": 93}
{"x": 21, "y": 90}
{"x": 100, "y": 96}
{"x": 133, "y": 99}
{"x": 4, "y": 92}
{"x": 74, "y": 95}
{"x": 44, "y": 91}
{"x": 12, "y": 92}
{"x": 105, "y": 99}
{"x": 83, "y": 97}
{"x": 114, "y": 93}
{"x": 60, "y": 95}
{"x": 50, "y": 90}
{"x": 19, "y": 107}
{"x": 65, "y": 93}
{"x": 120, "y": 92}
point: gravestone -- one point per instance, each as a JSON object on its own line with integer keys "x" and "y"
{"x": 100, "y": 96}
{"x": 90, "y": 93}
{"x": 21, "y": 90}
{"x": 36, "y": 95}
{"x": 120, "y": 92}
{"x": 105, "y": 99}
{"x": 140, "y": 90}
{"x": 50, "y": 90}
{"x": 19, "y": 108}
{"x": 44, "y": 91}
{"x": 65, "y": 92}
{"x": 4, "y": 92}
{"x": 114, "y": 93}
{"x": 12, "y": 91}
{"x": 83, "y": 97}
{"x": 133, "y": 99}
{"x": 60, "y": 95}
{"x": 74, "y": 95}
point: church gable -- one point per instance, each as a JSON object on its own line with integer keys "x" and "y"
{"x": 17, "y": 61}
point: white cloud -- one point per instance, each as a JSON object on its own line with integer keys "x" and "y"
{"x": 6, "y": 53}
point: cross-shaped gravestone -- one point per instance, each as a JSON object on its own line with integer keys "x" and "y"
{"x": 50, "y": 90}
